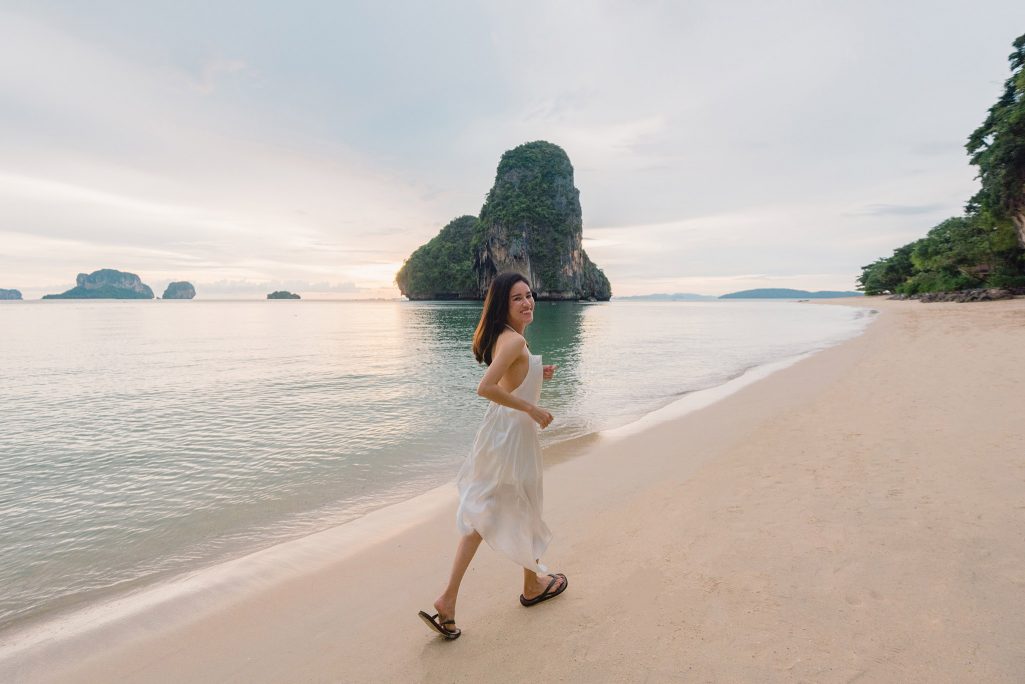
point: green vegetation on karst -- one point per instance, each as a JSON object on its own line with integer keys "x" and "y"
{"x": 443, "y": 267}
{"x": 534, "y": 187}
{"x": 986, "y": 246}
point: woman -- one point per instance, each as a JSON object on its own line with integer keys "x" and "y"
{"x": 500, "y": 482}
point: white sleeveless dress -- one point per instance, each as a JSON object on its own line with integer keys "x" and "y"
{"x": 500, "y": 488}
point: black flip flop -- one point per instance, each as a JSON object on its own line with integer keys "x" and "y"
{"x": 439, "y": 627}
{"x": 547, "y": 593}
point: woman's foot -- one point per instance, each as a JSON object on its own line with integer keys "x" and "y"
{"x": 440, "y": 626}
{"x": 536, "y": 585}
{"x": 446, "y": 610}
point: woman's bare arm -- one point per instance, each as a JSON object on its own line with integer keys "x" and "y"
{"x": 508, "y": 348}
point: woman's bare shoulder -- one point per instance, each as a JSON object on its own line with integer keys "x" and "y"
{"x": 510, "y": 339}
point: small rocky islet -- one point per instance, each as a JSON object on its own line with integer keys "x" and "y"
{"x": 179, "y": 290}
{"x": 9, "y": 295}
{"x": 106, "y": 283}
{"x": 109, "y": 283}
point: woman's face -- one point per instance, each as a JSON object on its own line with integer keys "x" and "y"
{"x": 521, "y": 305}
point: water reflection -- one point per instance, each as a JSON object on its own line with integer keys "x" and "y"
{"x": 557, "y": 334}
{"x": 439, "y": 335}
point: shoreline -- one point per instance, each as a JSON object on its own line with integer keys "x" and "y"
{"x": 800, "y": 528}
{"x": 232, "y": 578}
{"x": 80, "y": 612}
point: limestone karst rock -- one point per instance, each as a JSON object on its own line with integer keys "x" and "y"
{"x": 107, "y": 283}
{"x": 531, "y": 223}
{"x": 179, "y": 290}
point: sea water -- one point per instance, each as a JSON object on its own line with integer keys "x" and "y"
{"x": 142, "y": 439}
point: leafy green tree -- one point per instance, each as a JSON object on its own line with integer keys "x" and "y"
{"x": 885, "y": 275}
{"x": 997, "y": 147}
{"x": 960, "y": 253}
{"x": 964, "y": 252}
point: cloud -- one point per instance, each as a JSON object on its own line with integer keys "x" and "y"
{"x": 708, "y": 139}
{"x": 149, "y": 173}
{"x": 899, "y": 209}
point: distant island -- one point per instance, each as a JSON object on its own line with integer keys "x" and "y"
{"x": 179, "y": 290}
{"x": 283, "y": 294}
{"x": 9, "y": 294}
{"x": 664, "y": 297}
{"x": 106, "y": 283}
{"x": 531, "y": 223}
{"x": 784, "y": 293}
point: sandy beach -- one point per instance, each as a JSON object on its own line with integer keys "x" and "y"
{"x": 857, "y": 516}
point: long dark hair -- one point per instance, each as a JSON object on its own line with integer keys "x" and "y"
{"x": 495, "y": 315}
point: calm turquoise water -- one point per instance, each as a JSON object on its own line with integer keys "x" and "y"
{"x": 142, "y": 439}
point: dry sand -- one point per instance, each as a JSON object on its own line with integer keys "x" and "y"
{"x": 859, "y": 516}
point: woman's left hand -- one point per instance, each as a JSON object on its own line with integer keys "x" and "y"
{"x": 548, "y": 372}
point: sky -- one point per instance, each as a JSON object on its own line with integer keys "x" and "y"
{"x": 312, "y": 146}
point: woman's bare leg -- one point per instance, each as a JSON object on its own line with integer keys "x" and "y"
{"x": 446, "y": 603}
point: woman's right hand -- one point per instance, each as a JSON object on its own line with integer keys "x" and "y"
{"x": 541, "y": 416}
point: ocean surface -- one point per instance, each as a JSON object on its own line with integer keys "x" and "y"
{"x": 143, "y": 439}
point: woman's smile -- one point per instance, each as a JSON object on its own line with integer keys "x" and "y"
{"x": 521, "y": 304}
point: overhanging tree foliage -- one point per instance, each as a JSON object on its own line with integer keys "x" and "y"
{"x": 997, "y": 147}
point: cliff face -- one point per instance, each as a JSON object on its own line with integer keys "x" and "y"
{"x": 531, "y": 223}
{"x": 106, "y": 283}
{"x": 179, "y": 290}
